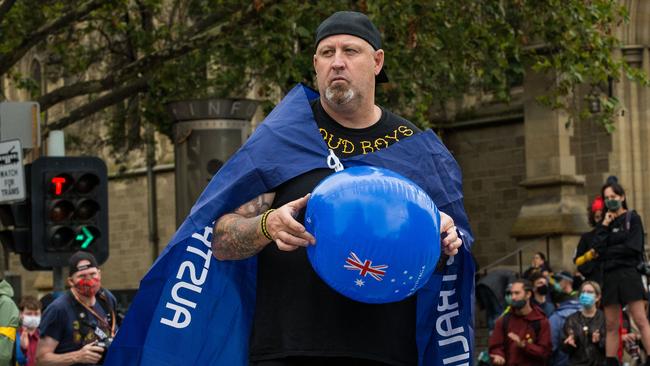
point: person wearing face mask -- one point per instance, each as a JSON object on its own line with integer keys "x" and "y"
{"x": 619, "y": 240}
{"x": 540, "y": 294}
{"x": 584, "y": 331}
{"x": 78, "y": 327}
{"x": 522, "y": 336}
{"x": 563, "y": 289}
{"x": 30, "y": 318}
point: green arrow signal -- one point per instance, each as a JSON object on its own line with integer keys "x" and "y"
{"x": 86, "y": 236}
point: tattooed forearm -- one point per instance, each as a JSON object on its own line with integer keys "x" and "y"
{"x": 257, "y": 206}
{"x": 238, "y": 235}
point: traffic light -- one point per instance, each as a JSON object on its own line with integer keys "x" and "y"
{"x": 14, "y": 233}
{"x": 69, "y": 209}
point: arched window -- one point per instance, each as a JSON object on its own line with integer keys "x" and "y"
{"x": 36, "y": 75}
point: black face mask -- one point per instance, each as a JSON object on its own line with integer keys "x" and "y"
{"x": 518, "y": 304}
{"x": 542, "y": 290}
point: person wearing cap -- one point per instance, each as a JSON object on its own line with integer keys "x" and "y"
{"x": 563, "y": 288}
{"x": 78, "y": 326}
{"x": 586, "y": 256}
{"x": 298, "y": 319}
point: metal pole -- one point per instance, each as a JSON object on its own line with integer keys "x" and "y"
{"x": 56, "y": 147}
{"x": 151, "y": 185}
{"x": 521, "y": 265}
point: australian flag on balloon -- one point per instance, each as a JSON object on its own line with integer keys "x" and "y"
{"x": 401, "y": 281}
{"x": 191, "y": 309}
{"x": 372, "y": 224}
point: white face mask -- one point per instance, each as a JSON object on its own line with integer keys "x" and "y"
{"x": 31, "y": 321}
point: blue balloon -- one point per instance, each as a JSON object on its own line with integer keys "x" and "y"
{"x": 377, "y": 234}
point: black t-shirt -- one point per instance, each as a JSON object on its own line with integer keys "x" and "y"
{"x": 62, "y": 322}
{"x": 619, "y": 245}
{"x": 297, "y": 314}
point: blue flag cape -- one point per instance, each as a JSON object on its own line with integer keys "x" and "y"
{"x": 191, "y": 309}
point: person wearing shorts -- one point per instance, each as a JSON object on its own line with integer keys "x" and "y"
{"x": 618, "y": 240}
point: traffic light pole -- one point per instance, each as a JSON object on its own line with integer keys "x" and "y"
{"x": 56, "y": 147}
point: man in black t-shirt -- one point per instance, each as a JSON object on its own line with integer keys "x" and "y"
{"x": 298, "y": 319}
{"x": 77, "y": 327}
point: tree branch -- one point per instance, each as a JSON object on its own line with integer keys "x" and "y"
{"x": 145, "y": 64}
{"x": 5, "y": 7}
{"x": 107, "y": 100}
{"x": 8, "y": 60}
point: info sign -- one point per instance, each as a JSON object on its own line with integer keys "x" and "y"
{"x": 12, "y": 175}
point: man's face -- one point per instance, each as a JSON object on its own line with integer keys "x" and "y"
{"x": 518, "y": 292}
{"x": 346, "y": 67}
{"x": 89, "y": 273}
{"x": 539, "y": 282}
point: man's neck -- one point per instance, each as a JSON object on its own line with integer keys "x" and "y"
{"x": 88, "y": 301}
{"x": 540, "y": 298}
{"x": 353, "y": 115}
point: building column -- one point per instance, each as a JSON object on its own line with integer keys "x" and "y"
{"x": 554, "y": 213}
{"x": 629, "y": 159}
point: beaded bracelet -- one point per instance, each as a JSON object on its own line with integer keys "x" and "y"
{"x": 265, "y": 215}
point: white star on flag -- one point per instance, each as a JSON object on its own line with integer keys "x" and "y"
{"x": 359, "y": 282}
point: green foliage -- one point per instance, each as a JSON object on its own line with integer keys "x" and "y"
{"x": 436, "y": 51}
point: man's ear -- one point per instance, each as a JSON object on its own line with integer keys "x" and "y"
{"x": 379, "y": 60}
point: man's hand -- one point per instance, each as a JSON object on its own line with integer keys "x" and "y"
{"x": 497, "y": 360}
{"x": 288, "y": 233}
{"x": 515, "y": 338}
{"x": 450, "y": 240}
{"x": 90, "y": 353}
{"x": 570, "y": 341}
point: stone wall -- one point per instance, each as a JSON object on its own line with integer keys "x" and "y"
{"x": 493, "y": 163}
{"x": 591, "y": 145}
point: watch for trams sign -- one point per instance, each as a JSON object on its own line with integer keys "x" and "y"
{"x": 12, "y": 176}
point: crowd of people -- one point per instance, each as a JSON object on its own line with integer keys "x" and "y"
{"x": 594, "y": 315}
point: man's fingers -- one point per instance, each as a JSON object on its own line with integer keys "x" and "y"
{"x": 291, "y": 223}
{"x": 285, "y": 247}
{"x": 295, "y": 228}
{"x": 301, "y": 202}
{"x": 446, "y": 222}
{"x": 289, "y": 239}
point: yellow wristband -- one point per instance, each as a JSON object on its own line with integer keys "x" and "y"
{"x": 265, "y": 215}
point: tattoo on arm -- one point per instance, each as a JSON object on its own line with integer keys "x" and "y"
{"x": 238, "y": 235}
{"x": 256, "y": 206}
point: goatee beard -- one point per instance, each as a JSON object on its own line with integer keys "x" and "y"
{"x": 339, "y": 94}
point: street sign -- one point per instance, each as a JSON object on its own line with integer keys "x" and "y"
{"x": 12, "y": 175}
{"x": 21, "y": 120}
